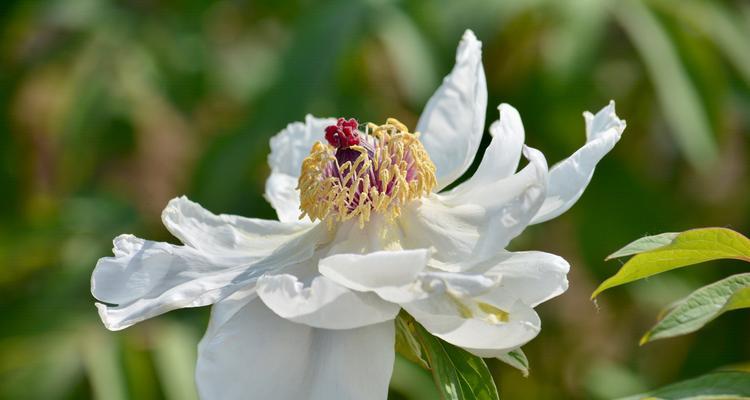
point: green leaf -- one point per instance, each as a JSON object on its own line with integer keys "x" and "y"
{"x": 411, "y": 381}
{"x": 175, "y": 356}
{"x": 644, "y": 244}
{"x": 738, "y": 367}
{"x": 740, "y": 299}
{"x": 701, "y": 307}
{"x": 717, "y": 385}
{"x": 688, "y": 248}
{"x": 413, "y": 65}
{"x": 100, "y": 359}
{"x": 516, "y": 359}
{"x": 721, "y": 24}
{"x": 459, "y": 375}
{"x": 575, "y": 36}
{"x": 678, "y": 96}
{"x": 407, "y": 345}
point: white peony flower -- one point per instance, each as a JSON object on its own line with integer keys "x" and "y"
{"x": 304, "y": 307}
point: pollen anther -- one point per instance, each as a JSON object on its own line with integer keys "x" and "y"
{"x": 386, "y": 169}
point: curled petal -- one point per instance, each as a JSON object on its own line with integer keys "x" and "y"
{"x": 235, "y": 238}
{"x": 283, "y": 195}
{"x": 288, "y": 148}
{"x": 145, "y": 278}
{"x": 480, "y": 337}
{"x": 498, "y": 194}
{"x": 372, "y": 271}
{"x": 452, "y": 122}
{"x": 479, "y": 223}
{"x": 224, "y": 310}
{"x": 530, "y": 276}
{"x": 323, "y": 304}
{"x": 509, "y": 214}
{"x": 501, "y": 158}
{"x": 430, "y": 284}
{"x": 255, "y": 353}
{"x": 452, "y": 232}
{"x": 483, "y": 328}
{"x": 569, "y": 178}
{"x": 476, "y": 311}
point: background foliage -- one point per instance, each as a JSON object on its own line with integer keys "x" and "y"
{"x": 110, "y": 108}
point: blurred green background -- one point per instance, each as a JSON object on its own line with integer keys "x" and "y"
{"x": 110, "y": 108}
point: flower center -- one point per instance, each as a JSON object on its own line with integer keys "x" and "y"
{"x": 358, "y": 172}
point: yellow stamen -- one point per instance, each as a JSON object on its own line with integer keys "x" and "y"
{"x": 396, "y": 169}
{"x": 494, "y": 314}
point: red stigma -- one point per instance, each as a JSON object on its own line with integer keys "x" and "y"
{"x": 344, "y": 134}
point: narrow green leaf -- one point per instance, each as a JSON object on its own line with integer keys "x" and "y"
{"x": 175, "y": 355}
{"x": 413, "y": 65}
{"x": 412, "y": 381}
{"x": 407, "y": 345}
{"x": 104, "y": 370}
{"x": 644, "y": 244}
{"x": 688, "y": 248}
{"x": 46, "y": 366}
{"x": 730, "y": 34}
{"x": 723, "y": 26}
{"x": 459, "y": 375}
{"x": 516, "y": 359}
{"x": 678, "y": 97}
{"x": 717, "y": 385}
{"x": 577, "y": 34}
{"x": 702, "y": 306}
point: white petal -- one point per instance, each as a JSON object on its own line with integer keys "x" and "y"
{"x": 256, "y": 354}
{"x": 145, "y": 278}
{"x": 531, "y": 276}
{"x": 377, "y": 234}
{"x": 466, "y": 285}
{"x": 501, "y": 158}
{"x": 510, "y": 204}
{"x": 229, "y": 236}
{"x": 432, "y": 283}
{"x": 323, "y": 304}
{"x": 452, "y": 232}
{"x": 478, "y": 336}
{"x": 288, "y": 148}
{"x": 223, "y": 311}
{"x": 282, "y": 193}
{"x": 473, "y": 311}
{"x": 478, "y": 223}
{"x": 497, "y": 194}
{"x": 452, "y": 122}
{"x": 375, "y": 270}
{"x": 569, "y": 178}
